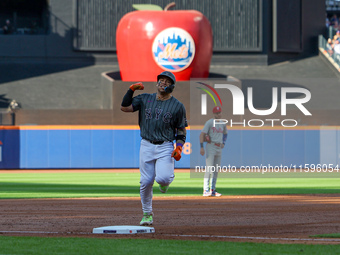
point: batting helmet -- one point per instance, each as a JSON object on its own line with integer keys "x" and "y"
{"x": 171, "y": 76}
{"x": 217, "y": 109}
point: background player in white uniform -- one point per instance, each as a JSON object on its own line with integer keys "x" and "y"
{"x": 162, "y": 119}
{"x": 215, "y": 136}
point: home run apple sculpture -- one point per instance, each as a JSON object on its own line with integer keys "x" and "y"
{"x": 151, "y": 41}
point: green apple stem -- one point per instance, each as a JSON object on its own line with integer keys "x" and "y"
{"x": 169, "y": 6}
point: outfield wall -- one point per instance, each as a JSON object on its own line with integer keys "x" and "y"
{"x": 70, "y": 147}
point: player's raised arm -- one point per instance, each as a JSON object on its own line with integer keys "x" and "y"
{"x": 126, "y": 105}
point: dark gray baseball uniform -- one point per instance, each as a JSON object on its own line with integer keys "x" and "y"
{"x": 158, "y": 121}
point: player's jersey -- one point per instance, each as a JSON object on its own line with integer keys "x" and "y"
{"x": 215, "y": 133}
{"x": 159, "y": 120}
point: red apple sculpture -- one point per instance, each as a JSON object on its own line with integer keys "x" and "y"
{"x": 151, "y": 41}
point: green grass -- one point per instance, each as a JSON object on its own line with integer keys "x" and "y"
{"x": 332, "y": 235}
{"x": 69, "y": 246}
{"x": 107, "y": 184}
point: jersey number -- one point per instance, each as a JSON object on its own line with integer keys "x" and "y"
{"x": 186, "y": 148}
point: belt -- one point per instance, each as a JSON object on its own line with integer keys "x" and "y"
{"x": 156, "y": 142}
{"x": 218, "y": 144}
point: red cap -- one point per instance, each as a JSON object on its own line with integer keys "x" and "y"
{"x": 217, "y": 109}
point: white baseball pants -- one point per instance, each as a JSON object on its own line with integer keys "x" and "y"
{"x": 155, "y": 163}
{"x": 213, "y": 159}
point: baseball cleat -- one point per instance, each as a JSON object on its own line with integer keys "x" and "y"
{"x": 147, "y": 219}
{"x": 206, "y": 193}
{"x": 214, "y": 193}
{"x": 163, "y": 189}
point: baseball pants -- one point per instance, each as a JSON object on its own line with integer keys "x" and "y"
{"x": 155, "y": 163}
{"x": 213, "y": 158}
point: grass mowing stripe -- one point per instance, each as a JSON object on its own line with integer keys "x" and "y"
{"x": 54, "y": 246}
{"x": 68, "y": 185}
{"x": 331, "y": 235}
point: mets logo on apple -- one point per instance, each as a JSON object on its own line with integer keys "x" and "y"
{"x": 173, "y": 49}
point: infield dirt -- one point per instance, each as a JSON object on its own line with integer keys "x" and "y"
{"x": 275, "y": 219}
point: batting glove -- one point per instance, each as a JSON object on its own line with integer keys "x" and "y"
{"x": 137, "y": 86}
{"x": 176, "y": 154}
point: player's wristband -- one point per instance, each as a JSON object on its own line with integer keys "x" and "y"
{"x": 180, "y": 138}
{"x": 179, "y": 144}
{"x": 127, "y": 99}
{"x": 225, "y": 138}
{"x": 201, "y": 145}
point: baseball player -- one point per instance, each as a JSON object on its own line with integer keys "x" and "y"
{"x": 162, "y": 119}
{"x": 215, "y": 134}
